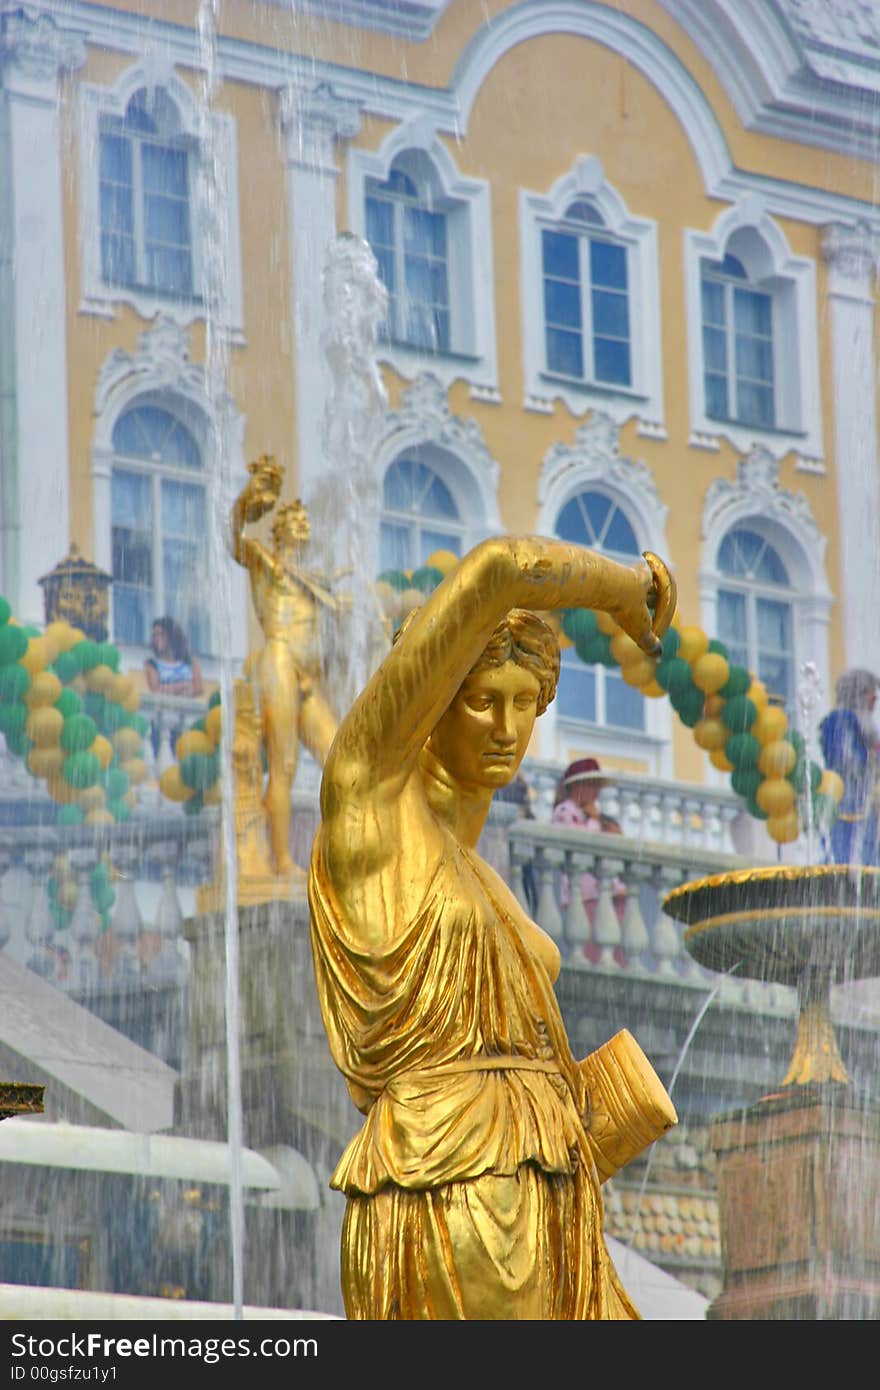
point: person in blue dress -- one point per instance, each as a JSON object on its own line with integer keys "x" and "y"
{"x": 850, "y": 739}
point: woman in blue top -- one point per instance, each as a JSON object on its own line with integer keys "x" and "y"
{"x": 171, "y": 670}
{"x": 849, "y": 746}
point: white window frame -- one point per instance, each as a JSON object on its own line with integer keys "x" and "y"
{"x": 96, "y": 105}
{"x": 752, "y": 590}
{"x": 757, "y": 502}
{"x": 160, "y": 373}
{"x": 445, "y": 467}
{"x": 643, "y": 396}
{"x": 593, "y": 464}
{"x": 749, "y": 233}
{"x": 418, "y": 151}
{"x": 399, "y": 202}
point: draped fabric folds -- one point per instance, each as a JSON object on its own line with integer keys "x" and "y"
{"x": 472, "y": 1191}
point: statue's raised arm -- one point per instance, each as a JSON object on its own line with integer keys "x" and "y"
{"x": 388, "y": 724}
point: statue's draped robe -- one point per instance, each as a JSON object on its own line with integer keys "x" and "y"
{"x": 471, "y": 1189}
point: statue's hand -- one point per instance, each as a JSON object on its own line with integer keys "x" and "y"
{"x": 647, "y": 610}
{"x": 263, "y": 487}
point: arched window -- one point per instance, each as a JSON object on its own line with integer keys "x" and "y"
{"x": 586, "y": 299}
{"x": 159, "y": 524}
{"x": 756, "y": 610}
{"x": 419, "y": 516}
{"x": 408, "y": 234}
{"x": 144, "y": 164}
{"x": 738, "y": 330}
{"x": 596, "y": 694}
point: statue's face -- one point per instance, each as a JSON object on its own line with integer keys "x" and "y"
{"x": 483, "y": 736}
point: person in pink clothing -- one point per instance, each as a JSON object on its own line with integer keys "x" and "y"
{"x": 577, "y": 803}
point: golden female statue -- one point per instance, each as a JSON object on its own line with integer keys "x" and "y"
{"x": 472, "y": 1187}
{"x": 286, "y": 671}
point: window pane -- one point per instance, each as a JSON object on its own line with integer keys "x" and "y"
{"x": 777, "y": 675}
{"x": 713, "y": 303}
{"x": 576, "y": 693}
{"x": 424, "y": 233}
{"x": 715, "y": 349}
{"x": 624, "y": 706}
{"x": 732, "y": 622}
{"x": 169, "y": 270}
{"x": 394, "y": 547}
{"x": 562, "y": 304}
{"x": 752, "y": 312}
{"x": 565, "y": 353}
{"x": 619, "y": 536}
{"x": 148, "y": 432}
{"x": 610, "y": 314}
{"x": 398, "y": 488}
{"x": 166, "y": 220}
{"x": 774, "y": 625}
{"x": 437, "y": 500}
{"x": 611, "y": 361}
{"x": 430, "y": 540}
{"x": 132, "y": 555}
{"x": 114, "y": 160}
{"x": 716, "y": 395}
{"x": 607, "y": 265}
{"x": 118, "y": 260}
{"x": 380, "y": 223}
{"x": 754, "y": 404}
{"x": 385, "y": 260}
{"x": 184, "y": 525}
{"x": 560, "y": 255}
{"x": 164, "y": 170}
{"x": 132, "y": 615}
{"x": 754, "y": 359}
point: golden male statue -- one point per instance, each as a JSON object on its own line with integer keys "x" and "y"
{"x": 473, "y": 1186}
{"x": 286, "y": 671}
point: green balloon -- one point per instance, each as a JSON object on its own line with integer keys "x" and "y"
{"x": 116, "y": 783}
{"x": 672, "y": 672}
{"x": 739, "y": 714}
{"x": 13, "y": 644}
{"x": 19, "y": 744}
{"x": 139, "y": 724}
{"x": 396, "y": 578}
{"x": 745, "y": 781}
{"x": 82, "y": 770}
{"x": 69, "y": 702}
{"x": 689, "y": 707}
{"x": 78, "y": 734}
{"x": 737, "y": 683}
{"x": 86, "y": 654}
{"x": 754, "y": 809}
{"x": 719, "y": 648}
{"x": 579, "y": 624}
{"x": 426, "y": 578}
{"x": 114, "y": 717}
{"x": 591, "y": 650}
{"x": 213, "y": 699}
{"x": 13, "y": 718}
{"x": 70, "y": 815}
{"x": 119, "y": 810}
{"x": 15, "y": 682}
{"x": 680, "y": 682}
{"x": 199, "y": 771}
{"x": 815, "y": 777}
{"x": 66, "y": 667}
{"x": 193, "y": 805}
{"x": 671, "y": 643}
{"x": 108, "y": 655}
{"x": 5, "y": 611}
{"x": 743, "y": 750}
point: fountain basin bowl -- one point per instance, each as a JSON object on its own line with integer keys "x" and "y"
{"x": 779, "y": 922}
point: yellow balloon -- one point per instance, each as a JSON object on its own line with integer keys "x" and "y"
{"x": 757, "y": 693}
{"x": 639, "y": 673}
{"x": 783, "y": 829}
{"x": 713, "y": 706}
{"x": 386, "y": 594}
{"x": 102, "y": 749}
{"x": 654, "y": 691}
{"x": 624, "y": 649}
{"x": 443, "y": 560}
{"x": 127, "y": 743}
{"x": 709, "y": 672}
{"x": 67, "y": 894}
{"x": 135, "y": 769}
{"x": 44, "y": 689}
{"x": 776, "y": 796}
{"x": 770, "y": 725}
{"x": 214, "y": 724}
{"x": 56, "y": 635}
{"x": 99, "y": 817}
{"x": 192, "y": 741}
{"x": 831, "y": 784}
{"x": 34, "y": 658}
{"x": 46, "y": 762}
{"x": 172, "y": 786}
{"x": 717, "y": 759}
{"x": 777, "y": 759}
{"x": 100, "y": 678}
{"x": 92, "y": 798}
{"x": 407, "y": 600}
{"x": 711, "y": 733}
{"x": 60, "y": 789}
{"x": 44, "y": 725}
{"x": 693, "y": 642}
{"x": 606, "y": 624}
{"x": 213, "y": 795}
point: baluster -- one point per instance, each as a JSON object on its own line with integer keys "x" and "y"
{"x": 126, "y": 922}
{"x": 652, "y": 819}
{"x": 40, "y": 926}
{"x": 520, "y": 855}
{"x": 606, "y": 927}
{"x": 691, "y": 833}
{"x": 633, "y": 932}
{"x": 84, "y": 923}
{"x": 165, "y": 755}
{"x": 169, "y": 917}
{"x": 549, "y": 916}
{"x": 665, "y": 946}
{"x": 577, "y": 924}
